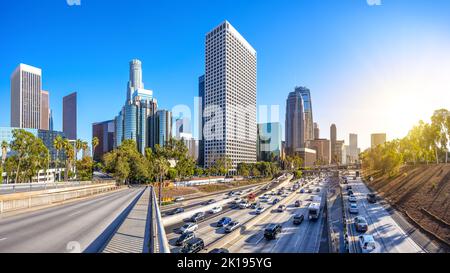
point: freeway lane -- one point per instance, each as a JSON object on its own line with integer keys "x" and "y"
{"x": 389, "y": 236}
{"x": 304, "y": 238}
{"x": 62, "y": 228}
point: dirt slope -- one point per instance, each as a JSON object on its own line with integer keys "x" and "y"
{"x": 423, "y": 193}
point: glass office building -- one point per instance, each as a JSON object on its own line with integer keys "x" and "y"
{"x": 269, "y": 141}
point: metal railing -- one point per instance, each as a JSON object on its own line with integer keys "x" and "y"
{"x": 158, "y": 238}
{"x": 21, "y": 187}
{"x": 26, "y": 202}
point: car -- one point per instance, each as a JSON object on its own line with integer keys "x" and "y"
{"x": 197, "y": 217}
{"x": 275, "y": 201}
{"x": 189, "y": 227}
{"x": 350, "y": 192}
{"x": 318, "y": 190}
{"x": 184, "y": 238}
{"x": 348, "y": 187}
{"x": 237, "y": 200}
{"x": 175, "y": 211}
{"x": 353, "y": 208}
{"x": 260, "y": 210}
{"x": 193, "y": 246}
{"x": 302, "y": 191}
{"x": 352, "y": 199}
{"x": 266, "y": 187}
{"x": 244, "y": 205}
{"x": 371, "y": 198}
{"x": 298, "y": 219}
{"x": 216, "y": 209}
{"x": 311, "y": 198}
{"x": 231, "y": 193}
{"x": 224, "y": 222}
{"x": 231, "y": 226}
{"x": 309, "y": 191}
{"x": 238, "y": 192}
{"x": 361, "y": 224}
{"x": 367, "y": 243}
{"x": 209, "y": 202}
{"x": 271, "y": 231}
{"x": 281, "y": 208}
{"x": 298, "y": 203}
{"x": 219, "y": 250}
{"x": 254, "y": 205}
{"x": 179, "y": 199}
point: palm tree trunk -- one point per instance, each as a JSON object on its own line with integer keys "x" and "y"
{"x": 18, "y": 169}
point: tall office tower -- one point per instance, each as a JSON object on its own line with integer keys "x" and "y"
{"x": 26, "y": 86}
{"x": 295, "y": 123}
{"x": 269, "y": 141}
{"x": 230, "y": 97}
{"x": 316, "y": 131}
{"x": 104, "y": 131}
{"x": 307, "y": 109}
{"x": 201, "y": 119}
{"x": 136, "y": 119}
{"x": 333, "y": 137}
{"x": 70, "y": 116}
{"x": 164, "y": 124}
{"x": 353, "y": 154}
{"x": 45, "y": 119}
{"x": 182, "y": 125}
{"x": 339, "y": 150}
{"x": 50, "y": 120}
{"x": 377, "y": 139}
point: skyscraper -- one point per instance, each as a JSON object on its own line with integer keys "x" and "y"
{"x": 105, "y": 132}
{"x": 316, "y": 131}
{"x": 353, "y": 151}
{"x": 307, "y": 109}
{"x": 230, "y": 97}
{"x": 50, "y": 120}
{"x": 70, "y": 116}
{"x": 164, "y": 125}
{"x": 269, "y": 141}
{"x": 26, "y": 87}
{"x": 295, "y": 123}
{"x": 137, "y": 120}
{"x": 333, "y": 137}
{"x": 201, "y": 119}
{"x": 45, "y": 111}
{"x": 377, "y": 139}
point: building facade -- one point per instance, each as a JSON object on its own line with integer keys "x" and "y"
{"x": 70, "y": 116}
{"x": 164, "y": 125}
{"x": 295, "y": 123}
{"x": 269, "y": 142}
{"x": 333, "y": 139}
{"x": 316, "y": 131}
{"x": 105, "y": 132}
{"x": 26, "y": 87}
{"x": 308, "y": 112}
{"x": 201, "y": 119}
{"x": 377, "y": 139}
{"x": 323, "y": 150}
{"x": 230, "y": 97}
{"x": 45, "y": 111}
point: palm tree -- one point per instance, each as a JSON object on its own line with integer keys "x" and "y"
{"x": 4, "y": 148}
{"x": 94, "y": 143}
{"x": 70, "y": 155}
{"x": 161, "y": 169}
{"x": 84, "y": 147}
{"x": 58, "y": 143}
{"x": 78, "y": 146}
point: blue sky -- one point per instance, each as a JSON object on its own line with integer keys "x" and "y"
{"x": 369, "y": 68}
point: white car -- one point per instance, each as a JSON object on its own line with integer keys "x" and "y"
{"x": 353, "y": 208}
{"x": 179, "y": 199}
{"x": 260, "y": 210}
{"x": 352, "y": 198}
{"x": 189, "y": 227}
{"x": 243, "y": 205}
{"x": 367, "y": 243}
{"x": 237, "y": 200}
{"x": 216, "y": 209}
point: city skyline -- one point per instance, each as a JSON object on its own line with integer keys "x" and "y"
{"x": 398, "y": 91}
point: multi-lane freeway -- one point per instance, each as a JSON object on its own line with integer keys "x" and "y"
{"x": 70, "y": 227}
{"x": 388, "y": 235}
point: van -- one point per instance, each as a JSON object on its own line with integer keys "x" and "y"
{"x": 193, "y": 246}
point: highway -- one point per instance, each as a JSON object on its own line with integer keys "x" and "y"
{"x": 69, "y": 227}
{"x": 388, "y": 235}
{"x": 304, "y": 238}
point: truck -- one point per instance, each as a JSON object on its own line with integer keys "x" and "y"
{"x": 314, "y": 208}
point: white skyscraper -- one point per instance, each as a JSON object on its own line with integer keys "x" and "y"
{"x": 26, "y": 87}
{"x": 230, "y": 97}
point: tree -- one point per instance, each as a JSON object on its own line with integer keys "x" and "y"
{"x": 243, "y": 169}
{"x": 70, "y": 156}
{"x": 85, "y": 168}
{"x": 58, "y": 144}
{"x": 4, "y": 150}
{"x": 94, "y": 143}
{"x": 161, "y": 169}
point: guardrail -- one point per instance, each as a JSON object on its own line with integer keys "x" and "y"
{"x": 26, "y": 202}
{"x": 158, "y": 238}
{"x": 13, "y": 187}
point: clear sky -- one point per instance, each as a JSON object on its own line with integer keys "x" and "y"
{"x": 370, "y": 68}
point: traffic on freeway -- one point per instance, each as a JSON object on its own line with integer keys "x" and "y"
{"x": 371, "y": 228}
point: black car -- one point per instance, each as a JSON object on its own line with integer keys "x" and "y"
{"x": 298, "y": 203}
{"x": 276, "y": 200}
{"x": 193, "y": 246}
{"x": 371, "y": 198}
{"x": 197, "y": 217}
{"x": 298, "y": 219}
{"x": 219, "y": 250}
{"x": 348, "y": 187}
{"x": 175, "y": 211}
{"x": 209, "y": 202}
{"x": 184, "y": 238}
{"x": 350, "y": 192}
{"x": 271, "y": 231}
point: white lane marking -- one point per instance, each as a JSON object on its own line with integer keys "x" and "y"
{"x": 75, "y": 213}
